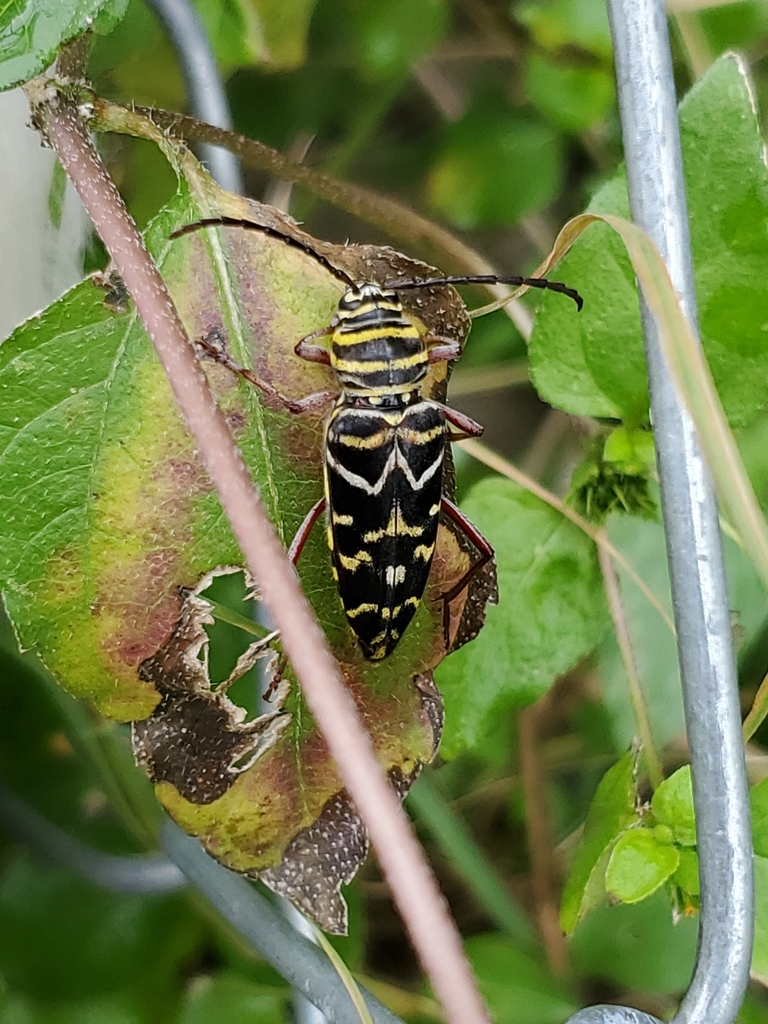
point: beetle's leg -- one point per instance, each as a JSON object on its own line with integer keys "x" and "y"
{"x": 483, "y": 548}
{"x": 294, "y": 554}
{"x": 314, "y": 353}
{"x": 466, "y": 426}
{"x": 442, "y": 350}
{"x": 310, "y": 403}
{"x": 303, "y": 532}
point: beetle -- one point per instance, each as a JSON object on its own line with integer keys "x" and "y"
{"x": 384, "y": 446}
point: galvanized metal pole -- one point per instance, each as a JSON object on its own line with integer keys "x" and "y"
{"x": 657, "y": 203}
{"x": 202, "y": 81}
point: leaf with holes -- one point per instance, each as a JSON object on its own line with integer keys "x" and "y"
{"x": 111, "y": 533}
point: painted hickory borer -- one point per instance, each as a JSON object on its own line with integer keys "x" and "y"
{"x": 384, "y": 447}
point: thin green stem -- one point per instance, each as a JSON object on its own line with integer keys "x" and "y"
{"x": 221, "y": 613}
{"x": 624, "y": 640}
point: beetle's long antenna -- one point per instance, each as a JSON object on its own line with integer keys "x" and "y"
{"x": 531, "y": 282}
{"x": 233, "y": 222}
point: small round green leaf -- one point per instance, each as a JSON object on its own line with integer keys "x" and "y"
{"x": 673, "y": 805}
{"x": 389, "y": 38}
{"x": 638, "y": 865}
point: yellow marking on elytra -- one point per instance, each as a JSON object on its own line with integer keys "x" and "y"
{"x": 342, "y": 520}
{"x": 393, "y": 529}
{"x": 369, "y": 443}
{"x": 424, "y": 552}
{"x": 354, "y": 562}
{"x": 329, "y": 537}
{"x": 412, "y": 601}
{"x": 435, "y": 509}
{"x": 362, "y": 609}
{"x": 422, "y": 436}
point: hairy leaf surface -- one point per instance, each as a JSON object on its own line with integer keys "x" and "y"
{"x": 551, "y": 611}
{"x": 593, "y": 364}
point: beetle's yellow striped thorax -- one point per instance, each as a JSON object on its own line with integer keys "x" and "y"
{"x": 375, "y": 348}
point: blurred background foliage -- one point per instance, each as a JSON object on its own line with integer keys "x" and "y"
{"x": 498, "y": 120}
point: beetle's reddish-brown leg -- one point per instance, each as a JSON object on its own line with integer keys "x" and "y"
{"x": 310, "y": 403}
{"x": 483, "y": 548}
{"x": 303, "y": 532}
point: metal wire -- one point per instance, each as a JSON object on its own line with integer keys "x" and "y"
{"x": 657, "y": 202}
{"x": 299, "y": 961}
{"x": 304, "y": 1012}
{"x": 202, "y": 81}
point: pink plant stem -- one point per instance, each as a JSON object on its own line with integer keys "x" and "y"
{"x": 410, "y": 878}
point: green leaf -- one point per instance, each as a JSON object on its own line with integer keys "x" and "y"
{"x": 61, "y": 938}
{"x": 653, "y": 643}
{"x": 236, "y": 31}
{"x": 517, "y": 989}
{"x": 390, "y": 38}
{"x": 760, "y": 948}
{"x": 687, "y": 874}
{"x": 638, "y": 865}
{"x": 637, "y": 946}
{"x": 758, "y": 799}
{"x": 268, "y": 32}
{"x": 285, "y": 27}
{"x": 612, "y": 812}
{"x": 123, "y": 1008}
{"x": 574, "y": 98}
{"x": 495, "y": 167}
{"x": 561, "y": 23}
{"x": 733, "y": 26}
{"x": 231, "y": 999}
{"x": 593, "y": 364}
{"x": 672, "y": 804}
{"x": 31, "y": 32}
{"x": 551, "y": 611}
